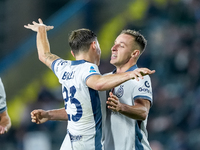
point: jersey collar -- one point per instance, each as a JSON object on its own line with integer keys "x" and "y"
{"x": 77, "y": 62}
{"x": 130, "y": 69}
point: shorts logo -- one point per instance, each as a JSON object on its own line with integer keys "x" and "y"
{"x": 146, "y": 83}
{"x": 119, "y": 93}
{"x": 92, "y": 69}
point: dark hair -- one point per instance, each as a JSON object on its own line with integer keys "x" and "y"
{"x": 139, "y": 38}
{"x": 80, "y": 40}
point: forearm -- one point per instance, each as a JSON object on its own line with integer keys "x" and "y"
{"x": 108, "y": 82}
{"x": 58, "y": 114}
{"x": 134, "y": 112}
{"x": 43, "y": 47}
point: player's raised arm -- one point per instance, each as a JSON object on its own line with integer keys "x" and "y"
{"x": 43, "y": 46}
{"x": 107, "y": 82}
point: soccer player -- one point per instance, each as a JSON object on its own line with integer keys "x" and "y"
{"x": 5, "y": 122}
{"x": 129, "y": 103}
{"x": 80, "y": 81}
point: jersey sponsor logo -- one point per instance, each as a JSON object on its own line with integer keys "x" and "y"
{"x": 68, "y": 75}
{"x": 120, "y": 91}
{"x": 144, "y": 90}
{"x": 147, "y": 90}
{"x": 146, "y": 83}
{"x": 92, "y": 69}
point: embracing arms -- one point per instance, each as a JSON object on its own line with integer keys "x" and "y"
{"x": 107, "y": 82}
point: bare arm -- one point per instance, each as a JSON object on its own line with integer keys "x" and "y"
{"x": 107, "y": 82}
{"x": 43, "y": 46}
{"x": 40, "y": 116}
{"x": 5, "y": 122}
{"x": 139, "y": 111}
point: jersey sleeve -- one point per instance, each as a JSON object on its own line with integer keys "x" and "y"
{"x": 143, "y": 89}
{"x": 58, "y": 65}
{"x": 90, "y": 69}
{"x": 3, "y": 106}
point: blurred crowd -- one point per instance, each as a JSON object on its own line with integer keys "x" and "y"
{"x": 173, "y": 50}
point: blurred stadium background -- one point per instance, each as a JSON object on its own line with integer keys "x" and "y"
{"x": 172, "y": 28}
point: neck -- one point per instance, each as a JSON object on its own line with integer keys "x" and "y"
{"x": 85, "y": 56}
{"x": 124, "y": 68}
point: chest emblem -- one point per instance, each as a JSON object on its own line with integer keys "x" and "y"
{"x": 120, "y": 92}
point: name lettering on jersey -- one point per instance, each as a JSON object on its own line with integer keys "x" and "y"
{"x": 119, "y": 93}
{"x": 68, "y": 75}
{"x": 92, "y": 69}
{"x": 146, "y": 83}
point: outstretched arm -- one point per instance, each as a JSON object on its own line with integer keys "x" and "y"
{"x": 40, "y": 116}
{"x": 43, "y": 46}
{"x": 107, "y": 82}
{"x": 5, "y": 122}
{"x": 138, "y": 111}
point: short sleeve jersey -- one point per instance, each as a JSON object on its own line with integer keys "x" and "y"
{"x": 122, "y": 132}
{"x": 82, "y": 103}
{"x": 3, "y": 106}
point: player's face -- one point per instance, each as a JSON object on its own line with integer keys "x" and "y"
{"x": 121, "y": 50}
{"x": 98, "y": 52}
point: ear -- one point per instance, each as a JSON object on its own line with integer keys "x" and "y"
{"x": 93, "y": 44}
{"x": 72, "y": 54}
{"x": 135, "y": 53}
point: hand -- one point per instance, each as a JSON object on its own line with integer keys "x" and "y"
{"x": 113, "y": 102}
{"x": 39, "y": 116}
{"x": 3, "y": 130}
{"x": 5, "y": 122}
{"x": 140, "y": 72}
{"x": 35, "y": 26}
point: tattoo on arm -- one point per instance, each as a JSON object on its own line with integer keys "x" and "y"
{"x": 49, "y": 58}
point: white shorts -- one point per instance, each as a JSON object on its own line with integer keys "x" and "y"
{"x": 66, "y": 145}
{"x": 79, "y": 143}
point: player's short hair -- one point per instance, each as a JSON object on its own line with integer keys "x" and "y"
{"x": 80, "y": 40}
{"x": 139, "y": 39}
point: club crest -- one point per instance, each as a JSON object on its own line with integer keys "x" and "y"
{"x": 119, "y": 93}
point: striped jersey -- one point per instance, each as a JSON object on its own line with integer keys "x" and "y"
{"x": 82, "y": 103}
{"x": 3, "y": 106}
{"x": 120, "y": 131}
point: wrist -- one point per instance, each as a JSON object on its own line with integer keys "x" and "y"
{"x": 48, "y": 115}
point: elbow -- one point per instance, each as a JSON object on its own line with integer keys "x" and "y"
{"x": 99, "y": 87}
{"x": 143, "y": 115}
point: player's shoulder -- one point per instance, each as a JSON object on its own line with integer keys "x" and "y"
{"x": 60, "y": 62}
{"x": 140, "y": 82}
{"x": 147, "y": 77}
